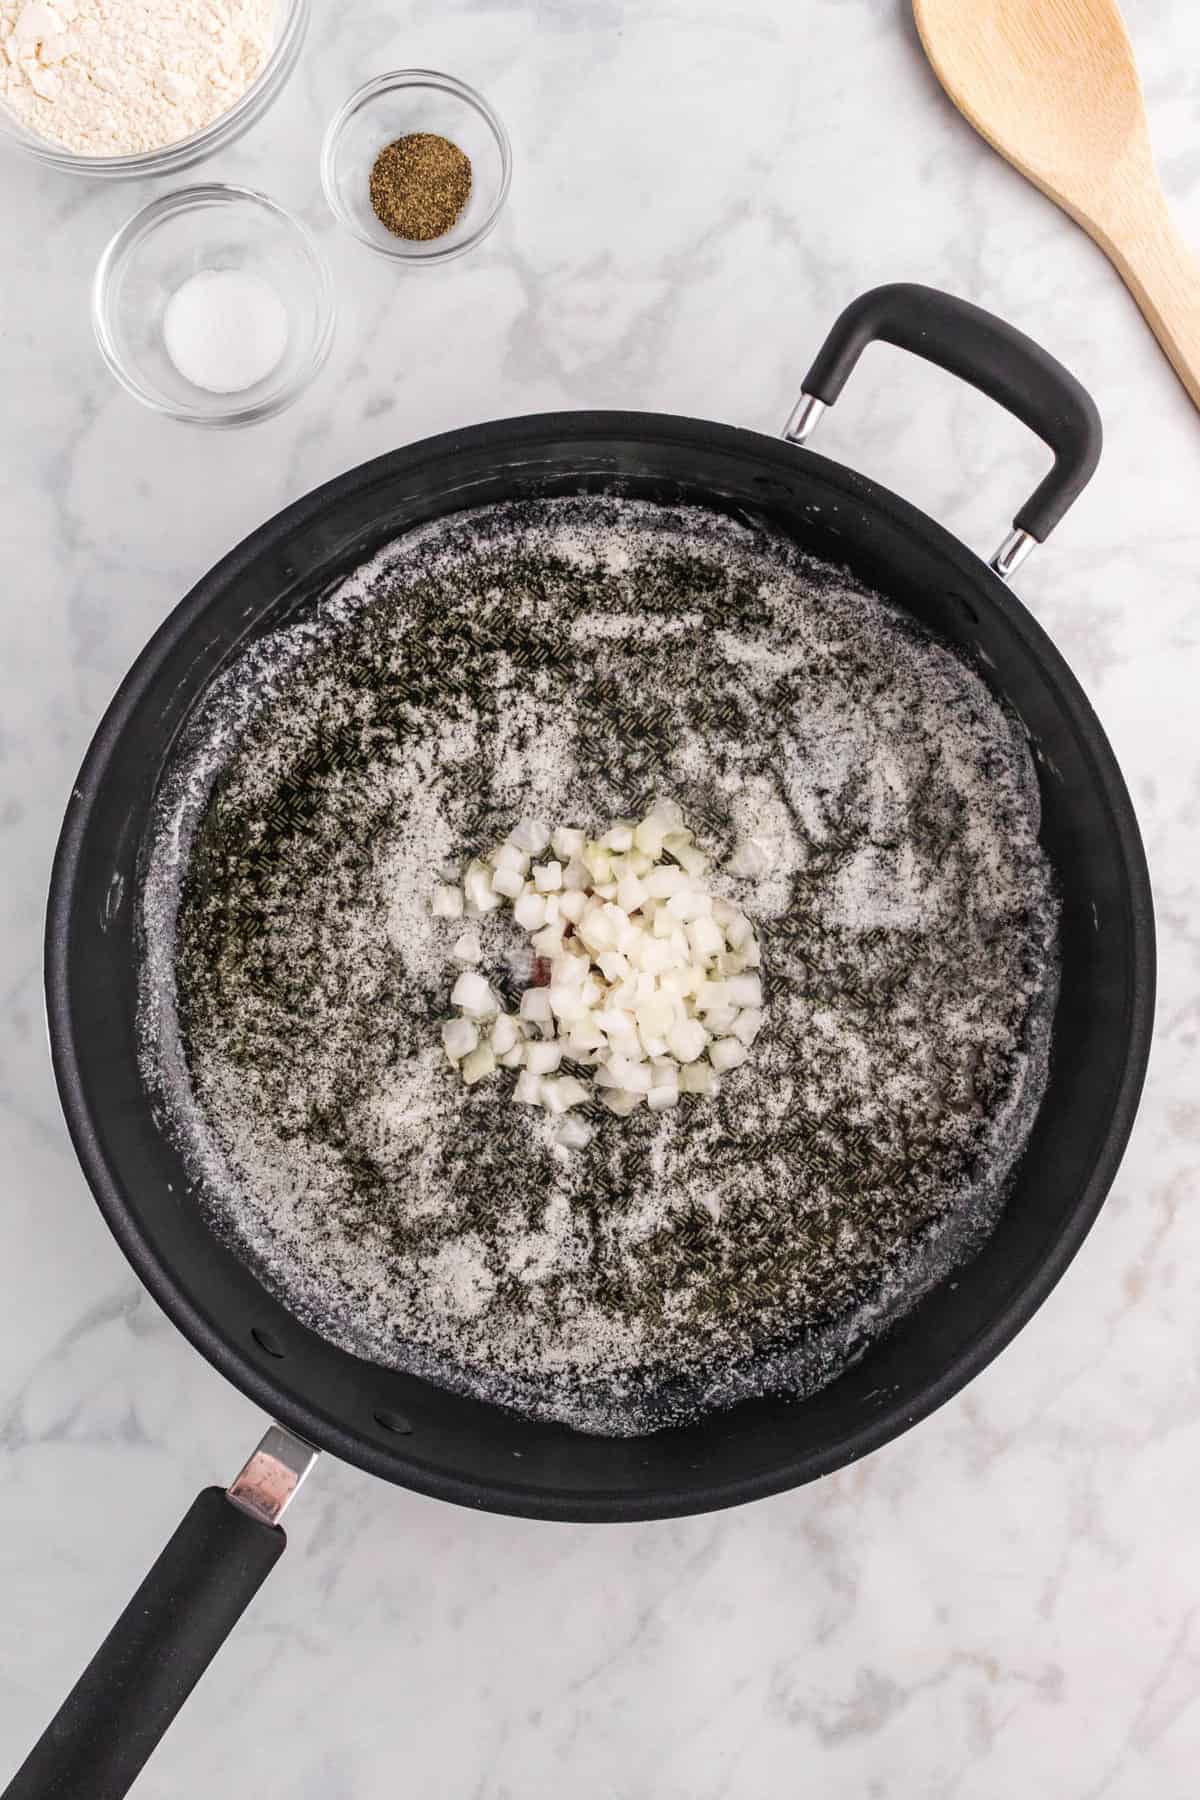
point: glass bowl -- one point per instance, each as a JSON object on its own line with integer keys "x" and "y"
{"x": 390, "y": 107}
{"x": 180, "y": 235}
{"x": 291, "y": 25}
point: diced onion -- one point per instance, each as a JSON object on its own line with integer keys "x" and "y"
{"x": 481, "y": 1062}
{"x": 698, "y": 1078}
{"x": 508, "y": 882}
{"x": 747, "y": 1025}
{"x": 644, "y": 977}
{"x": 459, "y": 1038}
{"x": 558, "y": 1095}
{"x": 530, "y": 911}
{"x": 543, "y": 1059}
{"x": 472, "y": 995}
{"x": 566, "y": 842}
{"x": 744, "y": 990}
{"x": 531, "y": 835}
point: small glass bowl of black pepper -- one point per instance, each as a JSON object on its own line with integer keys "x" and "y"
{"x": 417, "y": 166}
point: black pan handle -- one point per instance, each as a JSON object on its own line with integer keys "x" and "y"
{"x": 995, "y": 358}
{"x": 98, "y": 1742}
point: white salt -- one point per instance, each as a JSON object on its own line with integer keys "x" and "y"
{"x": 225, "y": 330}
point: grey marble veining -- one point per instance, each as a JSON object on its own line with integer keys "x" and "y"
{"x": 1008, "y": 1599}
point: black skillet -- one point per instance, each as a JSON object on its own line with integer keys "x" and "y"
{"x": 396, "y": 1426}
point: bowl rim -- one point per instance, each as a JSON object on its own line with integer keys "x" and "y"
{"x": 169, "y": 158}
{"x": 409, "y": 78}
{"x": 141, "y": 223}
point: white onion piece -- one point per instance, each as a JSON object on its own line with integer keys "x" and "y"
{"x": 737, "y": 929}
{"x": 447, "y": 903}
{"x": 621, "y": 1102}
{"x": 535, "y": 1005}
{"x": 691, "y": 859}
{"x": 481, "y": 1062}
{"x": 459, "y": 1038}
{"x": 698, "y": 1078}
{"x": 481, "y": 897}
{"x": 528, "y": 1091}
{"x": 543, "y": 1059}
{"x": 631, "y": 891}
{"x": 613, "y": 965}
{"x": 686, "y": 1040}
{"x": 566, "y": 842}
{"x": 566, "y": 1092}
{"x": 726, "y": 1053}
{"x": 547, "y": 877}
{"x": 530, "y": 912}
{"x": 505, "y": 1033}
{"x": 689, "y": 903}
{"x": 596, "y": 861}
{"x": 649, "y": 835}
{"x": 744, "y": 990}
{"x": 466, "y": 948}
{"x": 747, "y": 1025}
{"x": 565, "y": 1001}
{"x": 720, "y": 1019}
{"x": 530, "y": 835}
{"x": 508, "y": 882}
{"x": 662, "y": 883}
{"x": 705, "y": 937}
{"x": 655, "y": 1016}
{"x": 472, "y": 995}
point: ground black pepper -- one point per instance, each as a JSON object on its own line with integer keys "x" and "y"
{"x": 419, "y": 185}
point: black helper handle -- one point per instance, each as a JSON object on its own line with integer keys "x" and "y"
{"x": 154, "y": 1655}
{"x": 995, "y": 358}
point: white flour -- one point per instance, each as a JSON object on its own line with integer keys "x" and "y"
{"x": 116, "y": 77}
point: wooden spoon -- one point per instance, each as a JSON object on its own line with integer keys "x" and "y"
{"x": 1053, "y": 86}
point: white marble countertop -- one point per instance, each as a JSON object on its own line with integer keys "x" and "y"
{"x": 1007, "y": 1600}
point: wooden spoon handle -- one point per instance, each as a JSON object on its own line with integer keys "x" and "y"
{"x": 1162, "y": 273}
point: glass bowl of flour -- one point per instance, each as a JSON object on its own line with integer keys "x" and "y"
{"x": 116, "y": 88}
{"x": 213, "y": 305}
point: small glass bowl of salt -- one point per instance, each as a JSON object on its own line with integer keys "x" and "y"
{"x": 213, "y": 305}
